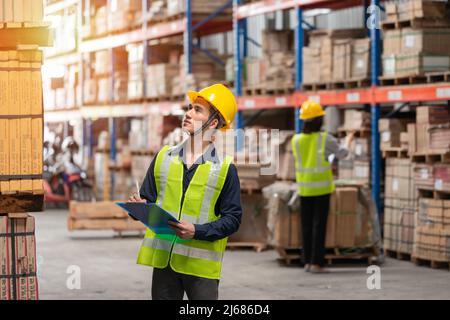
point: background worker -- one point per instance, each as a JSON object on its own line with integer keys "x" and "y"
{"x": 203, "y": 192}
{"x": 312, "y": 150}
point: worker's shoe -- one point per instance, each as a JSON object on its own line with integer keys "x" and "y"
{"x": 307, "y": 267}
{"x": 318, "y": 269}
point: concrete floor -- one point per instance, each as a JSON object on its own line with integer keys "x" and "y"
{"x": 108, "y": 271}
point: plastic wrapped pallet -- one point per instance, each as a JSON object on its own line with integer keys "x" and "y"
{"x": 400, "y": 205}
{"x": 18, "y": 268}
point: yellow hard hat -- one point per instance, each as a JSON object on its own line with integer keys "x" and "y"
{"x": 311, "y": 109}
{"x": 221, "y": 98}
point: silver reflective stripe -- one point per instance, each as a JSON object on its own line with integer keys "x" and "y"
{"x": 156, "y": 243}
{"x": 191, "y": 219}
{"x": 163, "y": 173}
{"x": 209, "y": 192}
{"x": 314, "y": 170}
{"x": 197, "y": 253}
{"x": 317, "y": 184}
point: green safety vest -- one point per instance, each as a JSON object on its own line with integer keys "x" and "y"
{"x": 192, "y": 257}
{"x": 313, "y": 172}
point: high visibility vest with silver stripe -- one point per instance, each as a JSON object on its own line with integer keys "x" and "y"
{"x": 192, "y": 257}
{"x": 313, "y": 172}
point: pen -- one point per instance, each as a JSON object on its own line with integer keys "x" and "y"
{"x": 137, "y": 187}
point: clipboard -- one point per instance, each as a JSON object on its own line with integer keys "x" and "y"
{"x": 151, "y": 215}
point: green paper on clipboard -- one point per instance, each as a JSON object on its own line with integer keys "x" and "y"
{"x": 153, "y": 216}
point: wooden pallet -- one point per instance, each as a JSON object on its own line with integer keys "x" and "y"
{"x": 434, "y": 264}
{"x": 433, "y": 77}
{"x": 359, "y": 133}
{"x": 18, "y": 201}
{"x": 350, "y": 84}
{"x": 289, "y": 256}
{"x": 278, "y": 91}
{"x": 403, "y": 80}
{"x": 432, "y": 156}
{"x": 256, "y": 246}
{"x": 415, "y": 23}
{"x": 315, "y": 86}
{"x": 398, "y": 255}
{"x": 395, "y": 153}
{"x": 431, "y": 193}
{"x": 142, "y": 153}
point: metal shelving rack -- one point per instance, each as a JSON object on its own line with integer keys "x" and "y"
{"x": 373, "y": 96}
{"x": 187, "y": 25}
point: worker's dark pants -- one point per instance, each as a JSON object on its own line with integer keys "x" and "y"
{"x": 170, "y": 285}
{"x": 314, "y": 212}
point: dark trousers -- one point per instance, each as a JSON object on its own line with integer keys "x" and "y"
{"x": 170, "y": 285}
{"x": 314, "y": 212}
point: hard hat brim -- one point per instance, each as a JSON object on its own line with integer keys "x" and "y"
{"x": 321, "y": 114}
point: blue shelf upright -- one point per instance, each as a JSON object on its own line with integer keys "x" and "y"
{"x": 374, "y": 25}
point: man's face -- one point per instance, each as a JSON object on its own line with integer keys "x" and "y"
{"x": 196, "y": 115}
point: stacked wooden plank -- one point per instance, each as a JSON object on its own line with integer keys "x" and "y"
{"x": 416, "y": 40}
{"x": 21, "y": 144}
{"x": 100, "y": 216}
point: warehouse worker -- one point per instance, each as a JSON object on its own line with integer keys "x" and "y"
{"x": 312, "y": 150}
{"x": 203, "y": 191}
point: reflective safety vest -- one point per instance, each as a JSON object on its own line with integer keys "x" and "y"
{"x": 313, "y": 172}
{"x": 192, "y": 257}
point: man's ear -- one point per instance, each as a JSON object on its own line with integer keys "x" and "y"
{"x": 214, "y": 124}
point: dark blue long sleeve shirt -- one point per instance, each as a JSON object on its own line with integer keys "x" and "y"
{"x": 228, "y": 205}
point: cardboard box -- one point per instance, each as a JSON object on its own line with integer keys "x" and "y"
{"x": 360, "y": 59}
{"x": 356, "y": 120}
{"x": 426, "y": 41}
{"x": 21, "y": 281}
{"x": 412, "y": 147}
{"x": 432, "y": 115}
{"x": 4, "y": 123}
{"x": 342, "y": 54}
{"x": 277, "y": 40}
{"x": 346, "y": 211}
{"x": 396, "y": 125}
{"x": 442, "y": 177}
{"x": 392, "y": 42}
{"x": 423, "y": 174}
{"x": 422, "y": 137}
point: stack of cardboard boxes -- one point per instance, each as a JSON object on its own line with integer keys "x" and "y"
{"x": 18, "y": 263}
{"x": 399, "y": 205}
{"x": 391, "y": 131}
{"x": 114, "y": 16}
{"x": 356, "y": 166}
{"x": 275, "y": 69}
{"x": 412, "y": 51}
{"x": 163, "y": 68}
{"x": 336, "y": 55}
{"x": 99, "y": 88}
{"x": 205, "y": 72}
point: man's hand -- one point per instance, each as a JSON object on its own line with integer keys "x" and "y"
{"x": 185, "y": 230}
{"x": 136, "y": 198}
